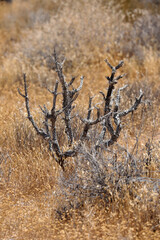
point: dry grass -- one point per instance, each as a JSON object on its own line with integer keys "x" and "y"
{"x": 37, "y": 200}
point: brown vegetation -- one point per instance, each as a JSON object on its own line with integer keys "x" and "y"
{"x": 110, "y": 195}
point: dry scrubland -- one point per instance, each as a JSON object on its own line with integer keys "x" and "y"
{"x": 37, "y": 199}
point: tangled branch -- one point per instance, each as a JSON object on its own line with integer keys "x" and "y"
{"x": 69, "y": 95}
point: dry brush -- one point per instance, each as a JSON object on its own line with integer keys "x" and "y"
{"x": 108, "y": 113}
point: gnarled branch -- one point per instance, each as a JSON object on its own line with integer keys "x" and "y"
{"x": 109, "y": 120}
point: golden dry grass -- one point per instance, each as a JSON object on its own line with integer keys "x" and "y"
{"x": 34, "y": 204}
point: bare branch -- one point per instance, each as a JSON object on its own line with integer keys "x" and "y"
{"x": 55, "y": 96}
{"x": 119, "y": 77}
{"x": 81, "y": 84}
{"x": 58, "y": 112}
{"x": 66, "y": 99}
{"x": 117, "y": 99}
{"x": 111, "y": 67}
{"x": 107, "y": 124}
{"x": 133, "y": 107}
{"x": 39, "y": 131}
{"x": 87, "y": 126}
{"x": 109, "y": 121}
{"x": 119, "y": 65}
{"x": 103, "y": 95}
{"x": 72, "y": 81}
{"x": 20, "y": 93}
{"x": 93, "y": 122}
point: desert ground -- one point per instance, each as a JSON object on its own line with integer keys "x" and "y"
{"x": 111, "y": 193}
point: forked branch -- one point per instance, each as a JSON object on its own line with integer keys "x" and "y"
{"x": 25, "y": 96}
{"x": 109, "y": 120}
